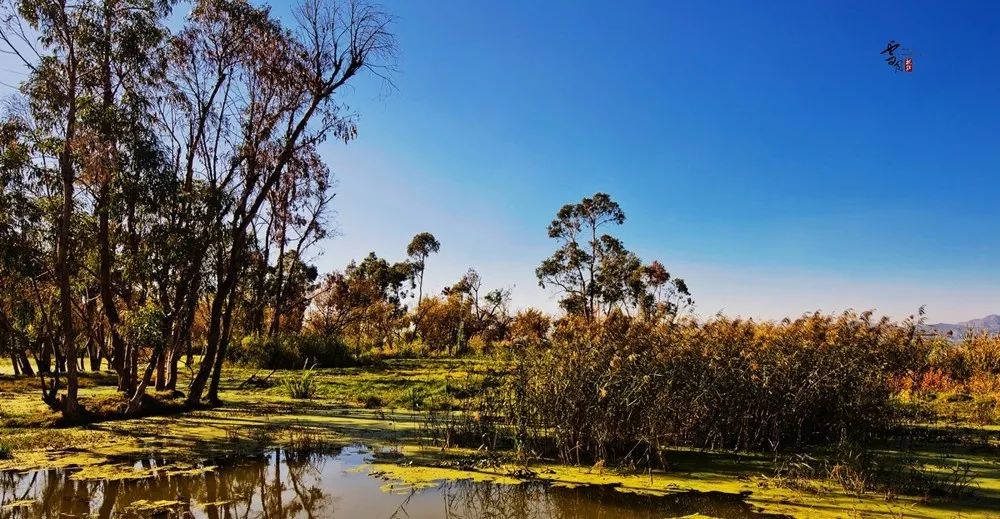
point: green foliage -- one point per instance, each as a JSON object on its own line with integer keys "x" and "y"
{"x": 289, "y": 351}
{"x": 143, "y": 326}
{"x": 422, "y": 245}
{"x": 597, "y": 274}
{"x": 303, "y": 386}
{"x": 6, "y": 451}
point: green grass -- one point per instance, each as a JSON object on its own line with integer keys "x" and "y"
{"x": 387, "y": 404}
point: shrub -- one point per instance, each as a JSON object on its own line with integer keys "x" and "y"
{"x": 6, "y": 451}
{"x": 415, "y": 397}
{"x": 530, "y": 325}
{"x": 984, "y": 384}
{"x": 981, "y": 353}
{"x": 985, "y": 411}
{"x": 290, "y": 351}
{"x": 478, "y": 345}
{"x": 372, "y": 402}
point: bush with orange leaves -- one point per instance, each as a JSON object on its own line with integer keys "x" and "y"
{"x": 971, "y": 364}
{"x": 980, "y": 355}
{"x": 624, "y": 388}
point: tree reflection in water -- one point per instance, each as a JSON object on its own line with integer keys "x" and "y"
{"x": 284, "y": 484}
{"x": 278, "y": 485}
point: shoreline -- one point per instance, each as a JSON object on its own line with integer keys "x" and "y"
{"x": 252, "y": 420}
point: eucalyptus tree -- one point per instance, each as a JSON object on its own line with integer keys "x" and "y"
{"x": 298, "y": 211}
{"x": 273, "y": 103}
{"x": 54, "y": 87}
{"x": 21, "y": 247}
{"x": 660, "y": 295}
{"x": 125, "y": 171}
{"x": 150, "y": 157}
{"x": 597, "y": 274}
{"x": 575, "y": 267}
{"x": 365, "y": 300}
{"x": 489, "y": 311}
{"x": 91, "y": 66}
{"x": 421, "y": 246}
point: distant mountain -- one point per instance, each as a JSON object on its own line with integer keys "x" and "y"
{"x": 990, "y": 323}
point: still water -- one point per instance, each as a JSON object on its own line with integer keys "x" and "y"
{"x": 282, "y": 484}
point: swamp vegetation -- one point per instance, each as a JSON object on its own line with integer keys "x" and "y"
{"x": 440, "y": 419}
{"x": 174, "y": 351}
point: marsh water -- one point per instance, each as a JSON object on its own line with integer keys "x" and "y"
{"x": 282, "y": 484}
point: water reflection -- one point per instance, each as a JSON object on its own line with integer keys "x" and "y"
{"x": 282, "y": 485}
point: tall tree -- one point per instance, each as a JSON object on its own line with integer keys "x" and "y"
{"x": 490, "y": 313}
{"x": 22, "y": 246}
{"x": 597, "y": 274}
{"x": 297, "y": 220}
{"x": 55, "y": 91}
{"x": 92, "y": 63}
{"x": 164, "y": 151}
{"x": 282, "y": 105}
{"x": 421, "y": 246}
{"x": 124, "y": 169}
{"x": 575, "y": 266}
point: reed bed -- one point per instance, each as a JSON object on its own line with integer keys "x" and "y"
{"x": 626, "y": 389}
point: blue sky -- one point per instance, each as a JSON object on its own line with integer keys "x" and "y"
{"x": 762, "y": 150}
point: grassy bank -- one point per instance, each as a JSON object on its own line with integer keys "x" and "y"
{"x": 411, "y": 407}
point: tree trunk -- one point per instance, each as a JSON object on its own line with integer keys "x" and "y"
{"x": 161, "y": 373}
{"x": 242, "y": 219}
{"x": 278, "y": 292}
{"x": 211, "y": 347}
{"x": 94, "y": 353}
{"x": 173, "y": 359}
{"x": 227, "y": 327}
{"x": 140, "y": 391}
{"x": 227, "y": 276}
{"x": 119, "y": 355}
{"x": 44, "y": 359}
{"x": 25, "y": 363}
{"x": 60, "y": 358}
{"x": 179, "y": 341}
{"x": 71, "y": 408}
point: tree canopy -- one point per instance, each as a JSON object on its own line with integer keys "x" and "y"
{"x": 597, "y": 275}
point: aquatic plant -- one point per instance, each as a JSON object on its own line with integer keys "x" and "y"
{"x": 861, "y": 471}
{"x": 303, "y": 386}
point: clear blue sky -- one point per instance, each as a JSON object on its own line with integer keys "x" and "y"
{"x": 761, "y": 150}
